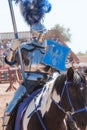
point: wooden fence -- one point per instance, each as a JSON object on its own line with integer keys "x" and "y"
{"x": 10, "y": 75}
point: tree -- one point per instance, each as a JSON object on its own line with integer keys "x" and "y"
{"x": 86, "y": 52}
{"x": 59, "y": 33}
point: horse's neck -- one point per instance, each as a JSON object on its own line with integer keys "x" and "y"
{"x": 47, "y": 96}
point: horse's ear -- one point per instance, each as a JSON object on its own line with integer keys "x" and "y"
{"x": 70, "y": 74}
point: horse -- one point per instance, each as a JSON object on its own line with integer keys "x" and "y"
{"x": 63, "y": 96}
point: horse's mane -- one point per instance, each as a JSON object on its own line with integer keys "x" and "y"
{"x": 59, "y": 82}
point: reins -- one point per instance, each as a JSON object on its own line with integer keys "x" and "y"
{"x": 36, "y": 110}
{"x": 73, "y": 111}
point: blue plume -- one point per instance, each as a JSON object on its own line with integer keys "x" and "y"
{"x": 34, "y": 10}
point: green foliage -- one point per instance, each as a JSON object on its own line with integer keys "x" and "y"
{"x": 86, "y": 52}
{"x": 61, "y": 32}
{"x": 81, "y": 53}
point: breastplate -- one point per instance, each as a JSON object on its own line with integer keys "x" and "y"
{"x": 35, "y": 59}
{"x": 35, "y": 56}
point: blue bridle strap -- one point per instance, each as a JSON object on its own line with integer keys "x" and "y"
{"x": 41, "y": 121}
{"x": 56, "y": 103}
{"x": 39, "y": 117}
{"x": 36, "y": 111}
{"x": 79, "y": 110}
{"x": 72, "y": 113}
{"x": 66, "y": 87}
{"x": 61, "y": 108}
{"x": 69, "y": 98}
{"x": 66, "y": 84}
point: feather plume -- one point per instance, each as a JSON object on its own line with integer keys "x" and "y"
{"x": 33, "y": 11}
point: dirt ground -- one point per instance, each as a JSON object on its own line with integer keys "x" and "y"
{"x": 4, "y": 98}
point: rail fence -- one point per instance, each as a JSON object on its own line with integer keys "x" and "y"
{"x": 10, "y": 75}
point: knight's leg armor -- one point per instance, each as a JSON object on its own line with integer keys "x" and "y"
{"x": 17, "y": 96}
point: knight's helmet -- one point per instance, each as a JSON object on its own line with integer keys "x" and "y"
{"x": 38, "y": 31}
{"x": 33, "y": 12}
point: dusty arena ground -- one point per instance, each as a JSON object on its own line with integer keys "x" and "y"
{"x": 4, "y": 98}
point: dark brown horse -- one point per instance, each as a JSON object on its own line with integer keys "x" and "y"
{"x": 74, "y": 99}
{"x": 64, "y": 98}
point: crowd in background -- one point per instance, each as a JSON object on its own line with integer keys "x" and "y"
{"x": 4, "y": 49}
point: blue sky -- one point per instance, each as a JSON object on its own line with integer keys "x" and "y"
{"x": 68, "y": 13}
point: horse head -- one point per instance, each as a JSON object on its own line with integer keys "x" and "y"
{"x": 71, "y": 87}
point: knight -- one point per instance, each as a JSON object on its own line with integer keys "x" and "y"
{"x": 36, "y": 73}
{"x": 33, "y": 51}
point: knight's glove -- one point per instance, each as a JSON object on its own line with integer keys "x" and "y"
{"x": 15, "y": 44}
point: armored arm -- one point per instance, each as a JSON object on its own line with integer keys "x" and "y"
{"x": 25, "y": 59}
{"x": 10, "y": 58}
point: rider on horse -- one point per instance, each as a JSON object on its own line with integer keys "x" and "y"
{"x": 33, "y": 53}
{"x": 37, "y": 74}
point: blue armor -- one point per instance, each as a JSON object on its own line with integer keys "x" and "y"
{"x": 36, "y": 73}
{"x": 36, "y": 52}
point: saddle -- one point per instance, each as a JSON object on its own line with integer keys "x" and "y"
{"x": 14, "y": 121}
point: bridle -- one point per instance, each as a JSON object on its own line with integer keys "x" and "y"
{"x": 73, "y": 111}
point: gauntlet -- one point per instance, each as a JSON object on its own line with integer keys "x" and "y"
{"x": 14, "y": 46}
